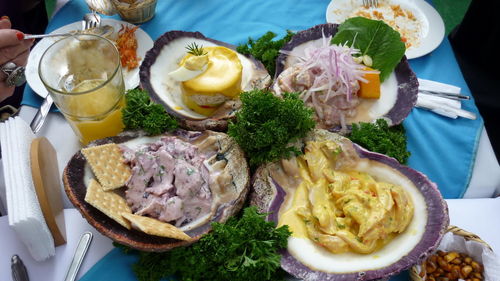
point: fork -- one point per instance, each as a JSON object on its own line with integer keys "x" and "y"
{"x": 91, "y": 20}
{"x": 370, "y": 3}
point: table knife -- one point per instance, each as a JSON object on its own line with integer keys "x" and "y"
{"x": 19, "y": 272}
{"x": 41, "y": 114}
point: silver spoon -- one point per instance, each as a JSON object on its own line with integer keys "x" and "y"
{"x": 81, "y": 250}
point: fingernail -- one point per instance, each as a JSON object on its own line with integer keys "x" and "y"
{"x": 5, "y": 18}
{"x": 20, "y": 35}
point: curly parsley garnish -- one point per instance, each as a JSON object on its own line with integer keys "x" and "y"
{"x": 265, "y": 49}
{"x": 195, "y": 50}
{"x": 266, "y": 125}
{"x": 242, "y": 249}
{"x": 378, "y": 137}
{"x": 141, "y": 113}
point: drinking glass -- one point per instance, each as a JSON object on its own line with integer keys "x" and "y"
{"x": 84, "y": 77}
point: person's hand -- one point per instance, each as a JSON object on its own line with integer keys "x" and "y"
{"x": 13, "y": 48}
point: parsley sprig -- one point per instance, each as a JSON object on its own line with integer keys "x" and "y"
{"x": 141, "y": 113}
{"x": 195, "y": 50}
{"x": 265, "y": 49}
{"x": 266, "y": 125}
{"x": 242, "y": 249}
{"x": 381, "y": 138}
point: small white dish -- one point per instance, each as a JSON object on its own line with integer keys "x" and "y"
{"x": 427, "y": 31}
{"x": 130, "y": 77}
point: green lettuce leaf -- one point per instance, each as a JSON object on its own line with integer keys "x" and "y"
{"x": 375, "y": 39}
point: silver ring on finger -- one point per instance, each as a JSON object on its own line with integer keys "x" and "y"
{"x": 15, "y": 74}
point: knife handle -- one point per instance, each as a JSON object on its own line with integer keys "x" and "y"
{"x": 19, "y": 272}
{"x": 81, "y": 250}
{"x": 41, "y": 114}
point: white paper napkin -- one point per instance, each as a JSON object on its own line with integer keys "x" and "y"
{"x": 440, "y": 105}
{"x": 25, "y": 214}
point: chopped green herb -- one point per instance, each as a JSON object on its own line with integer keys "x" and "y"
{"x": 141, "y": 113}
{"x": 378, "y": 137}
{"x": 266, "y": 125}
{"x": 195, "y": 50}
{"x": 265, "y": 49}
{"x": 190, "y": 171}
{"x": 242, "y": 249}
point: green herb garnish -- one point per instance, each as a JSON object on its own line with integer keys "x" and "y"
{"x": 241, "y": 249}
{"x": 266, "y": 125}
{"x": 141, "y": 113}
{"x": 373, "y": 38}
{"x": 378, "y": 137}
{"x": 265, "y": 49}
{"x": 195, "y": 50}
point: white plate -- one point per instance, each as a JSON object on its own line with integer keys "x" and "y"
{"x": 426, "y": 32}
{"x": 131, "y": 78}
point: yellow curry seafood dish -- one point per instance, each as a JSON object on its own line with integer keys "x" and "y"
{"x": 354, "y": 214}
{"x": 209, "y": 76}
{"x": 343, "y": 210}
{"x": 198, "y": 79}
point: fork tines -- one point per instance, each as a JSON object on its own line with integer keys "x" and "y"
{"x": 370, "y": 3}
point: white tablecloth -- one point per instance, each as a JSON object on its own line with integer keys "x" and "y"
{"x": 479, "y": 216}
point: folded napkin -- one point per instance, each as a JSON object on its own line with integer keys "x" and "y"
{"x": 23, "y": 208}
{"x": 444, "y": 106}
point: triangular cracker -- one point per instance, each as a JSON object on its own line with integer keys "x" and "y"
{"x": 155, "y": 227}
{"x": 108, "y": 202}
{"x": 108, "y": 165}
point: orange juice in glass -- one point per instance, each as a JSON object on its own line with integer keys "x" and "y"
{"x": 84, "y": 77}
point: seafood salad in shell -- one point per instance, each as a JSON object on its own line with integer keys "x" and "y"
{"x": 354, "y": 214}
{"x": 186, "y": 178}
{"x": 328, "y": 78}
{"x": 198, "y": 80}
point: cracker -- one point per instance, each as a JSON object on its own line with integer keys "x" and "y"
{"x": 108, "y": 165}
{"x": 155, "y": 227}
{"x": 108, "y": 202}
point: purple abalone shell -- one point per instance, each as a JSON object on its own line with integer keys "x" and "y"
{"x": 268, "y": 196}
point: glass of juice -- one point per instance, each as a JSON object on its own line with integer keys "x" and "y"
{"x": 84, "y": 78}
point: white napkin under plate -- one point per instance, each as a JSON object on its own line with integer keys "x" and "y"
{"x": 23, "y": 208}
{"x": 440, "y": 105}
